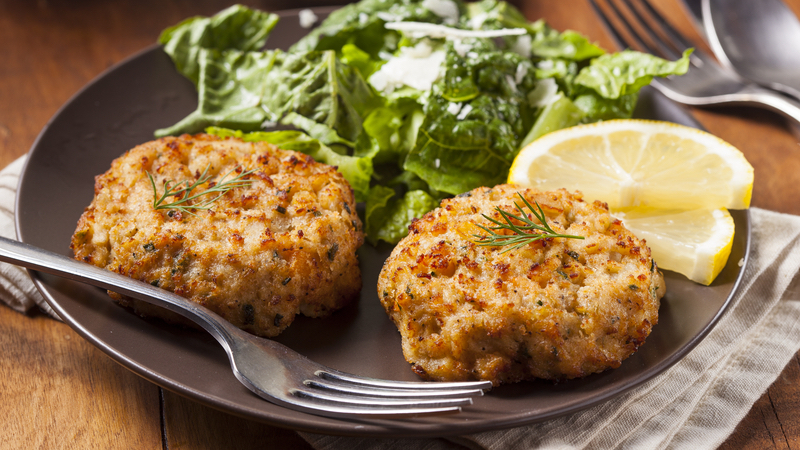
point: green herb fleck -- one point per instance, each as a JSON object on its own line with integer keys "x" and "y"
{"x": 332, "y": 252}
{"x": 249, "y": 314}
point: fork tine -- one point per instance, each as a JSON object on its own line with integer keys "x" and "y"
{"x": 348, "y": 402}
{"x": 334, "y": 393}
{"x": 618, "y": 37}
{"x": 393, "y": 392}
{"x": 416, "y": 385}
{"x": 278, "y": 374}
{"x": 380, "y": 402}
{"x": 668, "y": 48}
{"x": 636, "y": 41}
{"x": 674, "y": 35}
{"x": 338, "y": 409}
{"x": 698, "y": 57}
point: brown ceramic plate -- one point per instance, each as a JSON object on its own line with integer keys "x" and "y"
{"x": 122, "y": 107}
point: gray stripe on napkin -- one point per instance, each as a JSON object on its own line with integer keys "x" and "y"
{"x": 16, "y": 288}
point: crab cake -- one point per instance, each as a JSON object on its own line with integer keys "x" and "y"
{"x": 283, "y": 242}
{"x": 556, "y": 309}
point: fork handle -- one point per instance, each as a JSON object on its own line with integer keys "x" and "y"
{"x": 31, "y": 257}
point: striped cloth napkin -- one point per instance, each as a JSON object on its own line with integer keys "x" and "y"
{"x": 16, "y": 288}
{"x": 695, "y": 404}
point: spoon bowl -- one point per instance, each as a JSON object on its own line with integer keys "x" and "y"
{"x": 757, "y": 39}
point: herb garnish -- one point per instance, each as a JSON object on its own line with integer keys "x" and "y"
{"x": 522, "y": 234}
{"x": 182, "y": 190}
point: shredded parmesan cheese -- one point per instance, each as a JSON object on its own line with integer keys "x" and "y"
{"x": 432, "y": 30}
{"x": 307, "y": 18}
{"x": 546, "y": 92}
{"x": 446, "y": 9}
{"x": 417, "y": 67}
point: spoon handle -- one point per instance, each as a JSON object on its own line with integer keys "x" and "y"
{"x": 778, "y": 103}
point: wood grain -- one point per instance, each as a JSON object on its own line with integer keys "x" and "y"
{"x": 60, "y": 392}
{"x": 191, "y": 425}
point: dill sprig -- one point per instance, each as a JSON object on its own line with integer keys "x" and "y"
{"x": 182, "y": 191}
{"x": 522, "y": 234}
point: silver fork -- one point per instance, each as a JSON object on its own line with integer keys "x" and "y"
{"x": 706, "y": 83}
{"x": 268, "y": 368}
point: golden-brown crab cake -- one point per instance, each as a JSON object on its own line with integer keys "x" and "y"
{"x": 282, "y": 244}
{"x": 555, "y": 309}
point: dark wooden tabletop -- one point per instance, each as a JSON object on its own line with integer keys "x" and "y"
{"x": 58, "y": 391}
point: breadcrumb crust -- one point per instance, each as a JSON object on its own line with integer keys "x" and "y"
{"x": 555, "y": 309}
{"x": 284, "y": 244}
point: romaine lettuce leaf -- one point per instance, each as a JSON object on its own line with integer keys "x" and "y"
{"x": 561, "y": 113}
{"x": 495, "y": 15}
{"x": 596, "y": 107}
{"x": 318, "y": 86}
{"x": 404, "y": 150}
{"x": 231, "y": 92}
{"x": 475, "y": 119}
{"x": 359, "y": 59}
{"x": 454, "y": 155}
{"x": 544, "y": 42}
{"x": 378, "y": 211}
{"x": 321, "y": 132}
{"x": 362, "y": 24}
{"x": 242, "y": 90}
{"x": 615, "y": 75}
{"x": 388, "y": 216}
{"x": 235, "y": 28}
{"x": 394, "y": 129}
{"x": 549, "y": 43}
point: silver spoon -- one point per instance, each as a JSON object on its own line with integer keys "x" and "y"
{"x": 757, "y": 39}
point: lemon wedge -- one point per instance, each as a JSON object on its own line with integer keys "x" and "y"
{"x": 670, "y": 184}
{"x": 631, "y": 162}
{"x": 695, "y": 243}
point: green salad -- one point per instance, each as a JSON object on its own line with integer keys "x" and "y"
{"x": 413, "y": 100}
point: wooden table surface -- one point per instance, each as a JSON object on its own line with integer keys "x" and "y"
{"x": 58, "y": 391}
